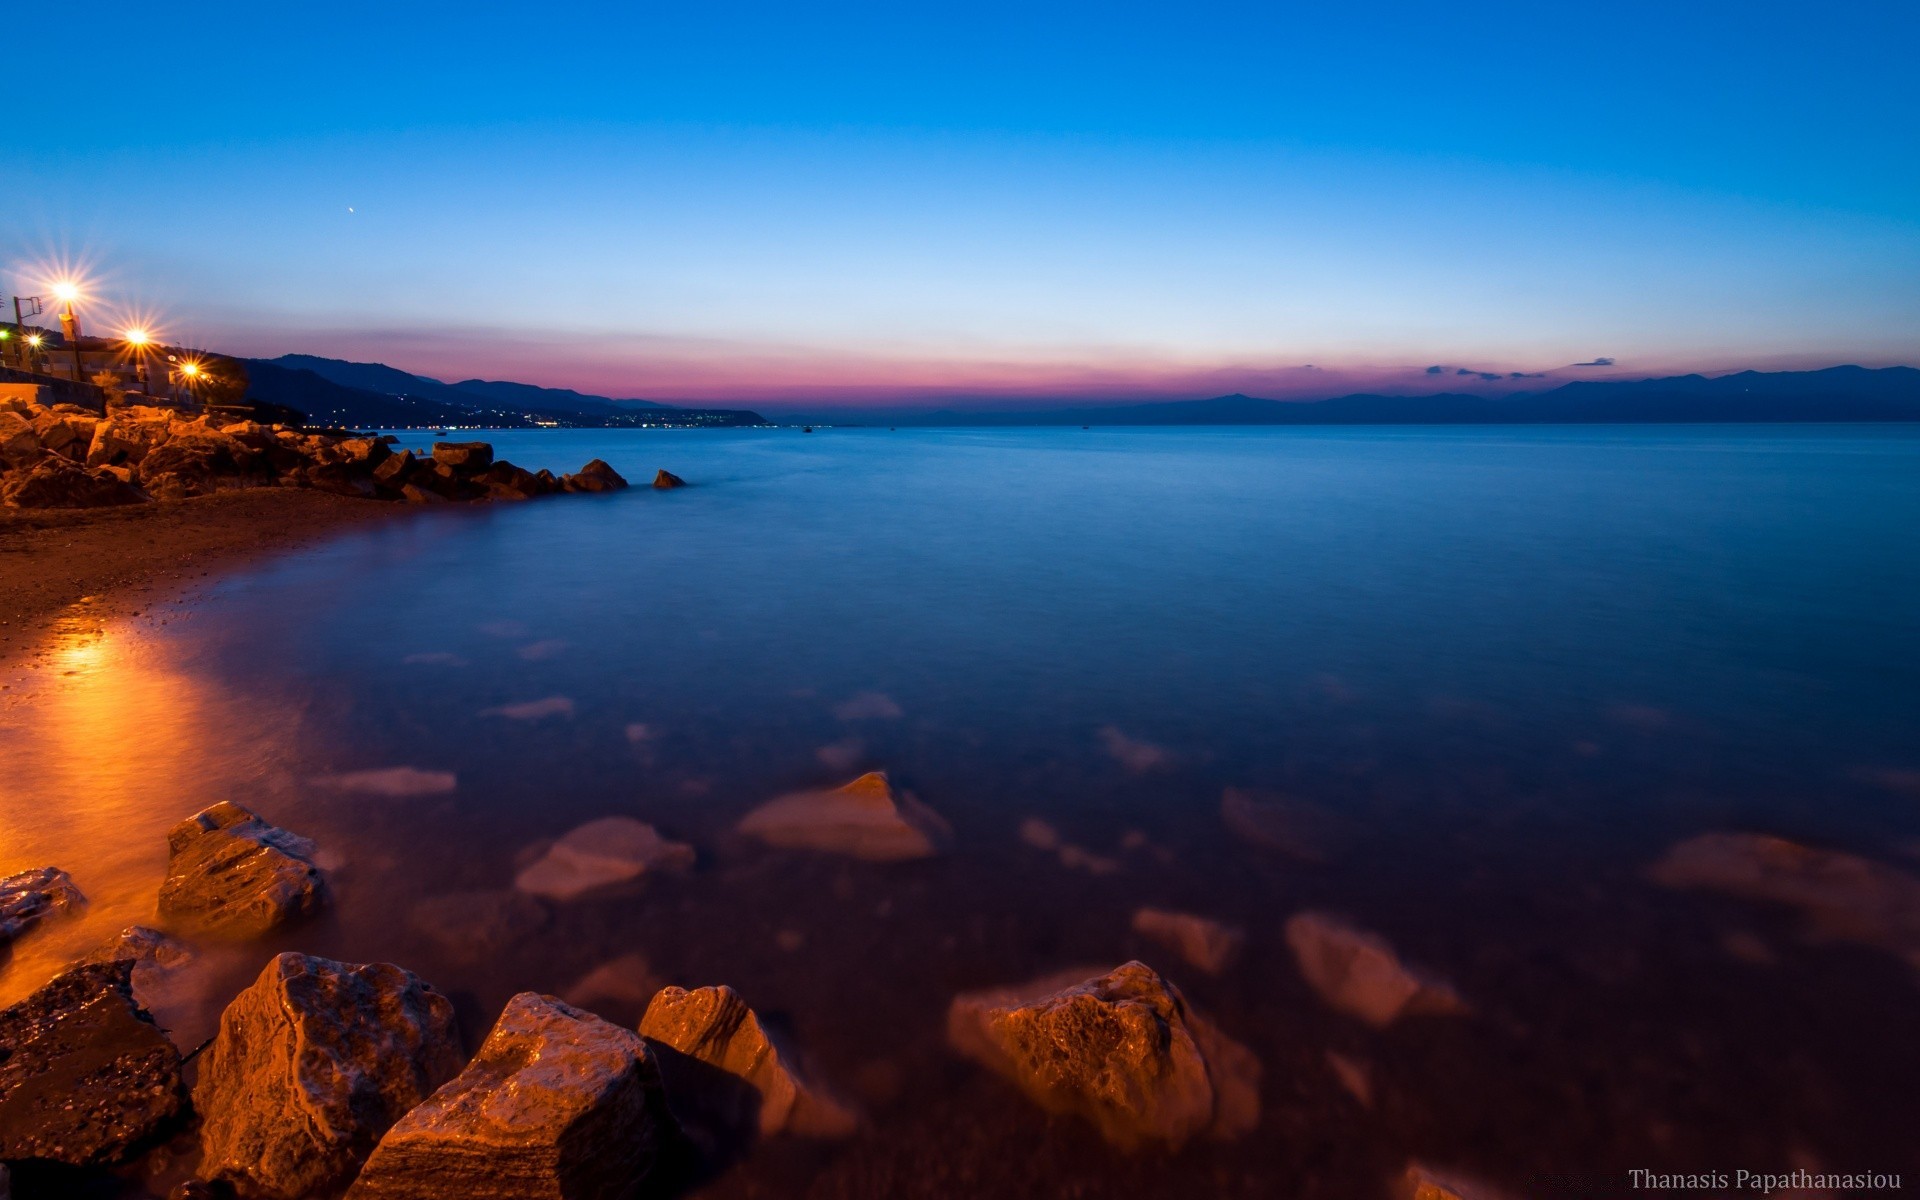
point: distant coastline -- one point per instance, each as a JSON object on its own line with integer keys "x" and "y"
{"x": 368, "y": 395}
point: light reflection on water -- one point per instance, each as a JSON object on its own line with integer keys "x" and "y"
{"x": 1507, "y": 667}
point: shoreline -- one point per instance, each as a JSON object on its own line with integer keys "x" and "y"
{"x": 120, "y": 561}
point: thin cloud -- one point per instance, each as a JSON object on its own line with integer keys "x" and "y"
{"x": 1436, "y": 370}
{"x": 1598, "y": 362}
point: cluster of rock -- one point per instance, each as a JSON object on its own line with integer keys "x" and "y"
{"x": 326, "y": 1076}
{"x": 65, "y": 456}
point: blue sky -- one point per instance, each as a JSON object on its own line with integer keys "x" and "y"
{"x": 904, "y": 203}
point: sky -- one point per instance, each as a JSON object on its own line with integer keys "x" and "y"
{"x": 989, "y": 204}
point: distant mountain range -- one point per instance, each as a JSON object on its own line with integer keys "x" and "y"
{"x": 337, "y": 392}
{"x": 1833, "y": 394}
{"x": 332, "y": 391}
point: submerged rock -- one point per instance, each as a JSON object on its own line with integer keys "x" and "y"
{"x": 713, "y": 1026}
{"x": 1842, "y": 897}
{"x": 557, "y": 1105}
{"x": 1123, "y": 1050}
{"x": 1425, "y": 1183}
{"x": 159, "y": 964}
{"x": 864, "y": 819}
{"x": 608, "y": 851}
{"x": 1359, "y": 973}
{"x": 1203, "y": 943}
{"x": 1293, "y": 827}
{"x": 667, "y": 479}
{"x": 85, "y": 1076}
{"x": 474, "y": 926}
{"x": 34, "y": 896}
{"x": 311, "y": 1065}
{"x": 231, "y": 874}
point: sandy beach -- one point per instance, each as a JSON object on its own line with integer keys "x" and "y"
{"x": 120, "y": 561}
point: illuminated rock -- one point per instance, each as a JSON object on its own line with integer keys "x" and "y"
{"x": 557, "y": 1105}
{"x": 1359, "y": 973}
{"x": 464, "y": 457}
{"x": 1203, "y": 943}
{"x": 1424, "y": 1183}
{"x": 312, "y": 1064}
{"x": 231, "y": 874}
{"x": 599, "y": 853}
{"x": 159, "y": 967}
{"x": 55, "y": 482}
{"x": 34, "y": 896}
{"x": 1123, "y": 1050}
{"x": 1842, "y": 897}
{"x": 664, "y": 479}
{"x": 864, "y": 819}
{"x": 714, "y": 1026}
{"x": 85, "y": 1076}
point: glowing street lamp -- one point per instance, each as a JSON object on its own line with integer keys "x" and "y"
{"x": 137, "y": 342}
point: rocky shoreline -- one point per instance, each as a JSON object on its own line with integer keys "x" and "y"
{"x": 65, "y": 456}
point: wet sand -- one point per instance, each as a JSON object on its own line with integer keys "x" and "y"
{"x": 121, "y": 561}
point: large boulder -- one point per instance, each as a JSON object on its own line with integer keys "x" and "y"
{"x": 126, "y": 436}
{"x": 1123, "y": 1050}
{"x": 504, "y": 481}
{"x": 557, "y": 1105}
{"x": 714, "y": 1027}
{"x": 1359, "y": 974}
{"x": 1421, "y": 1182}
{"x": 864, "y": 819}
{"x": 194, "y": 462}
{"x": 603, "y": 852}
{"x": 596, "y": 476}
{"x": 231, "y": 874}
{"x": 465, "y": 457}
{"x": 1840, "y": 896}
{"x": 57, "y": 482}
{"x": 65, "y": 434}
{"x": 30, "y": 897}
{"x": 19, "y": 443}
{"x": 85, "y": 1076}
{"x": 312, "y": 1064}
{"x": 664, "y": 479}
{"x": 166, "y": 981}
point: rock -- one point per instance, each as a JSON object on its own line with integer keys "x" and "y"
{"x": 231, "y": 874}
{"x": 464, "y": 457}
{"x": 667, "y": 479}
{"x": 414, "y": 494}
{"x": 19, "y": 443}
{"x": 156, "y": 960}
{"x": 1360, "y": 974}
{"x": 864, "y": 819}
{"x": 1841, "y": 897}
{"x": 312, "y": 1064}
{"x": 596, "y": 476}
{"x": 34, "y": 896}
{"x": 85, "y": 1077}
{"x": 1203, "y": 943}
{"x": 1293, "y": 827}
{"x": 607, "y": 851}
{"x": 56, "y": 482}
{"x": 126, "y": 436}
{"x": 557, "y": 1105}
{"x": 1122, "y": 1050}
{"x": 393, "y": 470}
{"x": 1424, "y": 1183}
{"x": 369, "y": 452}
{"x": 713, "y": 1026}
{"x": 477, "y": 926}
{"x": 504, "y": 481}
{"x": 193, "y": 464}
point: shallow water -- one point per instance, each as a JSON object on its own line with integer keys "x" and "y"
{"x": 1508, "y": 667}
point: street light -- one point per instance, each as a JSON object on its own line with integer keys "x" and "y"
{"x": 137, "y": 340}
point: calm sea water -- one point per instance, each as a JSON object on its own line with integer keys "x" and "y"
{"x": 1510, "y": 667}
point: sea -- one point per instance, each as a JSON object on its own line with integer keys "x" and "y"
{"x": 1491, "y": 675}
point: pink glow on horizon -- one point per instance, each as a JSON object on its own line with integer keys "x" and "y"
{"x": 695, "y": 371}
